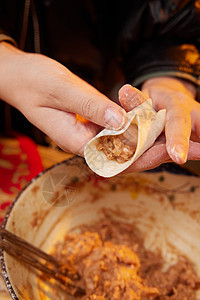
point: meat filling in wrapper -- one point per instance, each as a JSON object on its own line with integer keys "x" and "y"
{"x": 119, "y": 147}
{"x": 112, "y": 151}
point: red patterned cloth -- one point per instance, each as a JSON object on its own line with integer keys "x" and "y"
{"x": 19, "y": 163}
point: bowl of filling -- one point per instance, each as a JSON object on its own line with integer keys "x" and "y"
{"x": 133, "y": 236}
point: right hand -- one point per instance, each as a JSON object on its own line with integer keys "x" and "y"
{"x": 50, "y": 96}
{"x": 182, "y": 121}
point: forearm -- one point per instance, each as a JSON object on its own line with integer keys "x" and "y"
{"x": 9, "y": 76}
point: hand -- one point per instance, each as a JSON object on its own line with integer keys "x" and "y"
{"x": 50, "y": 96}
{"x": 182, "y": 128}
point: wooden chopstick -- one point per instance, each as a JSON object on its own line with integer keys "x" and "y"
{"x": 31, "y": 255}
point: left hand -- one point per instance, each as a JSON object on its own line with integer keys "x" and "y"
{"x": 182, "y": 128}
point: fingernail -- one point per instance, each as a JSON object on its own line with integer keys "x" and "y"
{"x": 114, "y": 118}
{"x": 178, "y": 154}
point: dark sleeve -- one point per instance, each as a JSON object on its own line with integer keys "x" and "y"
{"x": 11, "y": 18}
{"x": 162, "y": 38}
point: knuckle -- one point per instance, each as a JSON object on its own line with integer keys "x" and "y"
{"x": 89, "y": 109}
{"x": 186, "y": 120}
{"x": 52, "y": 92}
{"x": 178, "y": 119}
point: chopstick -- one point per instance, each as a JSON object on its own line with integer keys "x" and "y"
{"x": 32, "y": 255}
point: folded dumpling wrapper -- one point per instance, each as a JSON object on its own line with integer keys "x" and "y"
{"x": 150, "y": 125}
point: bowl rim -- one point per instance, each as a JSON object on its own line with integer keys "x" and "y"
{"x": 4, "y": 272}
{"x": 167, "y": 167}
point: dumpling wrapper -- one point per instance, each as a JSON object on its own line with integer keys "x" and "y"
{"x": 150, "y": 125}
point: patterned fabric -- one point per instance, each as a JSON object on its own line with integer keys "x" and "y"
{"x": 19, "y": 163}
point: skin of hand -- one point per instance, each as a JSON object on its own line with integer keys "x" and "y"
{"x": 51, "y": 97}
{"x": 182, "y": 129}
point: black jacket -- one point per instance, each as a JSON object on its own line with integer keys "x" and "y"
{"x": 144, "y": 37}
{"x": 101, "y": 41}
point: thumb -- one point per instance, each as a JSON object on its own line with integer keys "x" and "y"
{"x": 88, "y": 102}
{"x": 130, "y": 97}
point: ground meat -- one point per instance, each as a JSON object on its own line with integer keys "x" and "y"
{"x": 115, "y": 148}
{"x": 114, "y": 264}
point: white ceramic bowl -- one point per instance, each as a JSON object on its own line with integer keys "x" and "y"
{"x": 164, "y": 207}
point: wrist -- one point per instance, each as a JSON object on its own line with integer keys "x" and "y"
{"x": 8, "y": 48}
{"x": 9, "y": 71}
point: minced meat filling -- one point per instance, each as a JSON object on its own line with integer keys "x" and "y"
{"x": 113, "y": 264}
{"x": 115, "y": 148}
{"x": 119, "y": 147}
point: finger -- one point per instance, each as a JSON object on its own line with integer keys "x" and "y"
{"x": 77, "y": 96}
{"x": 158, "y": 155}
{"x": 194, "y": 151}
{"x": 177, "y": 125}
{"x": 152, "y": 158}
{"x": 155, "y": 98}
{"x": 65, "y": 130}
{"x": 130, "y": 97}
{"x": 194, "y": 137}
{"x": 177, "y": 131}
{"x": 195, "y": 116}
